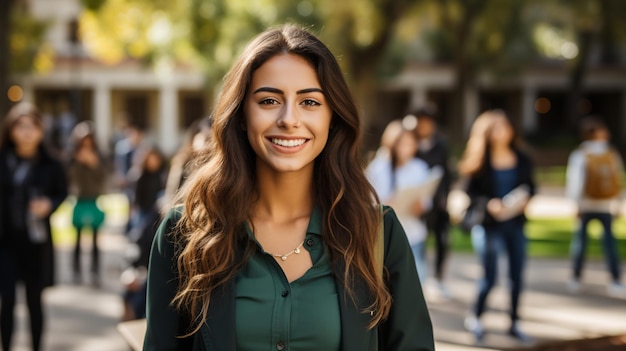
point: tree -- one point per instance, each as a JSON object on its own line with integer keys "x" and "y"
{"x": 361, "y": 32}
{"x": 21, "y": 45}
{"x": 476, "y": 36}
{"x": 211, "y": 34}
{"x": 6, "y": 7}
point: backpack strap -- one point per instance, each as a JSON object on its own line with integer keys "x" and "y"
{"x": 379, "y": 248}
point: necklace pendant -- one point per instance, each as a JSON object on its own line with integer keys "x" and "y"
{"x": 297, "y": 250}
{"x": 283, "y": 257}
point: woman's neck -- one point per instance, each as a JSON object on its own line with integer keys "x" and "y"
{"x": 26, "y": 153}
{"x": 500, "y": 148}
{"x": 402, "y": 161}
{"x": 284, "y": 196}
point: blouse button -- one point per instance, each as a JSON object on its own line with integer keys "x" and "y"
{"x": 310, "y": 242}
{"x": 280, "y": 346}
{"x": 285, "y": 293}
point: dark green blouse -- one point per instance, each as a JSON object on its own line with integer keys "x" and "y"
{"x": 272, "y": 314}
{"x": 407, "y": 327}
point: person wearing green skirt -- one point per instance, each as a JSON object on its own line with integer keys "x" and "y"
{"x": 87, "y": 178}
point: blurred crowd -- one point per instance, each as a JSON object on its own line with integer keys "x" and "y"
{"x": 44, "y": 162}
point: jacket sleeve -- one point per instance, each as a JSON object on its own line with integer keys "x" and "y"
{"x": 408, "y": 326}
{"x": 529, "y": 174}
{"x": 162, "y": 319}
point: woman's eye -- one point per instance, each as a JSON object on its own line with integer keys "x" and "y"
{"x": 268, "y": 101}
{"x": 309, "y": 102}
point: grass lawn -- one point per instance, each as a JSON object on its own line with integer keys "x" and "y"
{"x": 551, "y": 237}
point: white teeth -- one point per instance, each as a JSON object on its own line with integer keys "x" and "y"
{"x": 288, "y": 143}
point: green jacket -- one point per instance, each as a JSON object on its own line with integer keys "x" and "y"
{"x": 408, "y": 326}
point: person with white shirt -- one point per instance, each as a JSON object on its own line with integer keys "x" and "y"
{"x": 593, "y": 176}
{"x": 394, "y": 171}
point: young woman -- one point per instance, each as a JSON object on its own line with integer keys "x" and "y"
{"x": 32, "y": 186}
{"x": 87, "y": 173}
{"x": 496, "y": 168}
{"x": 275, "y": 245}
{"x": 390, "y": 176}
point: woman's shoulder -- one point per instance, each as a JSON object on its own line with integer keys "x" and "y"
{"x": 173, "y": 216}
{"x": 523, "y": 156}
{"x": 165, "y": 237}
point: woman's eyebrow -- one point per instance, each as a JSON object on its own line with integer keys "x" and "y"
{"x": 278, "y": 91}
{"x": 310, "y": 90}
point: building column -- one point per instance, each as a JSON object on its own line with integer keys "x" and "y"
{"x": 102, "y": 115}
{"x": 471, "y": 105}
{"x": 622, "y": 132}
{"x": 418, "y": 98}
{"x": 28, "y": 91}
{"x": 168, "y": 119}
{"x": 529, "y": 115}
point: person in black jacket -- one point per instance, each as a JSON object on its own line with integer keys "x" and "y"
{"x": 149, "y": 189}
{"x": 32, "y": 186}
{"x": 434, "y": 151}
{"x": 502, "y": 174}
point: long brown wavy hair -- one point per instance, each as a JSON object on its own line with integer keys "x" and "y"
{"x": 218, "y": 197}
{"x": 477, "y": 148}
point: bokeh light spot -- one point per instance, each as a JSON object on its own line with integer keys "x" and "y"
{"x": 15, "y": 93}
{"x": 543, "y": 105}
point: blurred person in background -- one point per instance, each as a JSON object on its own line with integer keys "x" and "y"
{"x": 401, "y": 171}
{"x": 62, "y": 129}
{"x": 32, "y": 186}
{"x": 128, "y": 154}
{"x": 593, "y": 180}
{"x": 87, "y": 174}
{"x": 149, "y": 189}
{"x": 434, "y": 151}
{"x": 388, "y": 137}
{"x": 276, "y": 244}
{"x": 182, "y": 164}
{"x": 150, "y": 185}
{"x": 497, "y": 168}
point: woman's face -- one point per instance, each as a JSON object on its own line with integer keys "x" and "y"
{"x": 287, "y": 115}
{"x": 405, "y": 148}
{"x": 27, "y": 134}
{"x": 425, "y": 128}
{"x": 87, "y": 143}
{"x": 153, "y": 162}
{"x": 501, "y": 132}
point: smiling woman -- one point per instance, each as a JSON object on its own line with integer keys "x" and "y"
{"x": 272, "y": 243}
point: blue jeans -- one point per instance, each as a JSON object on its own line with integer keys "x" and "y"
{"x": 579, "y": 244}
{"x": 488, "y": 242}
{"x": 419, "y": 253}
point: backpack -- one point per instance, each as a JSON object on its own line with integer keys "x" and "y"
{"x": 602, "y": 178}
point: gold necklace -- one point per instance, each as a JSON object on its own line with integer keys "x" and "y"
{"x": 284, "y": 256}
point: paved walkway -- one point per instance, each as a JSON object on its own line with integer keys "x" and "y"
{"x": 83, "y": 318}
{"x": 548, "y": 312}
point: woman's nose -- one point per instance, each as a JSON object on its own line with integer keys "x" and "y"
{"x": 289, "y": 117}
